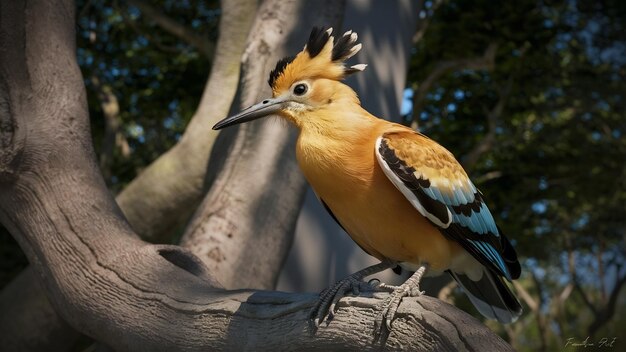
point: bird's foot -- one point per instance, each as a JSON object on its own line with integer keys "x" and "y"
{"x": 410, "y": 288}
{"x": 325, "y": 307}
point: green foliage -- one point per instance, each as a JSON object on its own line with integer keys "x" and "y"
{"x": 555, "y": 175}
{"x": 157, "y": 78}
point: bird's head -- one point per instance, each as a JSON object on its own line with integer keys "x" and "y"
{"x": 307, "y": 82}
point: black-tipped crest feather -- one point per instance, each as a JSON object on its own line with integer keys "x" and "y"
{"x": 318, "y": 38}
{"x": 343, "y": 47}
{"x": 350, "y": 71}
{"x": 278, "y": 70}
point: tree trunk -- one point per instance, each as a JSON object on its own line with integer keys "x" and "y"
{"x": 157, "y": 201}
{"x": 166, "y": 193}
{"x": 126, "y": 293}
{"x": 244, "y": 227}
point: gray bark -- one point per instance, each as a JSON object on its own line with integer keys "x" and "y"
{"x": 155, "y": 202}
{"x": 110, "y": 285}
{"x": 244, "y": 227}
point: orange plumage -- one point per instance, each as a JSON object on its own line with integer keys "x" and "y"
{"x": 342, "y": 170}
{"x": 401, "y": 196}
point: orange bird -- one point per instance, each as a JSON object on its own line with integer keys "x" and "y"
{"x": 402, "y": 197}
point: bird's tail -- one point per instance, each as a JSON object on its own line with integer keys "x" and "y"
{"x": 491, "y": 296}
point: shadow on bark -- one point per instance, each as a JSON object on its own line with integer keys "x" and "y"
{"x": 422, "y": 324}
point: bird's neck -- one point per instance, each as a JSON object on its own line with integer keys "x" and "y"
{"x": 342, "y": 140}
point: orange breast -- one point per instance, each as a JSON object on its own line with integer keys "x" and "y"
{"x": 373, "y": 212}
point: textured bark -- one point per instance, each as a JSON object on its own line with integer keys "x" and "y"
{"x": 126, "y": 293}
{"x": 155, "y": 202}
{"x": 168, "y": 190}
{"x": 244, "y": 227}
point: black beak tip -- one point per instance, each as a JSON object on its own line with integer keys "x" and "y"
{"x": 219, "y": 125}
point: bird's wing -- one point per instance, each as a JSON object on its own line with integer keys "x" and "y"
{"x": 437, "y": 186}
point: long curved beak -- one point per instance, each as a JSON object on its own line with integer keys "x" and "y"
{"x": 264, "y": 108}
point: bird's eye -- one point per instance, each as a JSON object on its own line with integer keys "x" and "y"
{"x": 300, "y": 89}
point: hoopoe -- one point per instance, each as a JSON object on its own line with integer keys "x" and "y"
{"x": 402, "y": 197}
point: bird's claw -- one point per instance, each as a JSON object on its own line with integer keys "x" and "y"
{"x": 410, "y": 288}
{"x": 326, "y": 306}
{"x": 392, "y": 302}
{"x": 412, "y": 291}
{"x": 383, "y": 287}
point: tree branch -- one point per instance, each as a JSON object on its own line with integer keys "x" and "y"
{"x": 154, "y": 212}
{"x": 526, "y": 297}
{"x": 619, "y": 283}
{"x": 539, "y": 315}
{"x": 485, "y": 62}
{"x": 604, "y": 314}
{"x": 153, "y": 39}
{"x": 565, "y": 293}
{"x": 571, "y": 261}
{"x": 493, "y": 116}
{"x": 204, "y": 46}
{"x": 126, "y": 293}
{"x": 585, "y": 298}
{"x": 603, "y": 296}
{"x": 422, "y": 25}
{"x": 491, "y": 175}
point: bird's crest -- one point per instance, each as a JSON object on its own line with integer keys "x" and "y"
{"x": 322, "y": 57}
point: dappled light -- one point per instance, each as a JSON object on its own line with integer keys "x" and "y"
{"x": 142, "y": 223}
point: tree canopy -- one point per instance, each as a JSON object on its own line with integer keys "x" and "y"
{"x": 541, "y": 130}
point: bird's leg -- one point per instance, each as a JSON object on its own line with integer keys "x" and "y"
{"x": 410, "y": 288}
{"x": 325, "y": 306}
